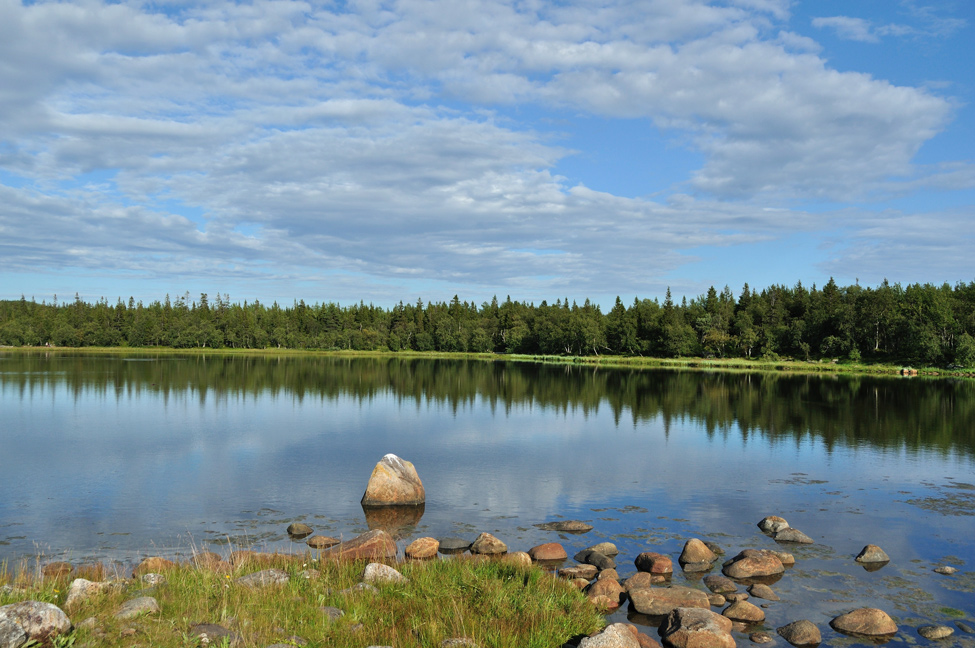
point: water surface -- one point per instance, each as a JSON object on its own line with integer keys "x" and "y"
{"x": 112, "y": 459}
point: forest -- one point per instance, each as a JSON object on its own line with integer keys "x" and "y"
{"x": 922, "y": 324}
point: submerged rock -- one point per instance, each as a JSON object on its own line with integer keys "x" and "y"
{"x": 946, "y": 570}
{"x": 566, "y": 526}
{"x": 394, "y": 481}
{"x": 763, "y": 591}
{"x": 720, "y": 584}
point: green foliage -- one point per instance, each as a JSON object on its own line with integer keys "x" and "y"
{"x": 920, "y": 324}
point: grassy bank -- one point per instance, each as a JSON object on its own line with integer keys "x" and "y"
{"x": 608, "y": 361}
{"x": 489, "y": 601}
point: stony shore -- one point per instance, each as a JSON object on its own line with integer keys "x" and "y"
{"x": 729, "y": 607}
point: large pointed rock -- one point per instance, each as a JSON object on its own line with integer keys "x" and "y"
{"x": 394, "y": 481}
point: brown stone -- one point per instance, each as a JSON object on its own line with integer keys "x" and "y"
{"x": 865, "y": 621}
{"x": 608, "y": 549}
{"x": 422, "y": 548}
{"x": 609, "y": 588}
{"x": 657, "y": 601}
{"x": 654, "y": 563}
{"x": 394, "y": 481}
{"x": 375, "y": 545}
{"x": 696, "y": 628}
{"x": 548, "y": 551}
{"x": 608, "y": 573}
{"x": 762, "y": 591}
{"x": 153, "y": 565}
{"x": 745, "y": 612}
{"x": 801, "y": 633}
{"x": 752, "y": 563}
{"x": 696, "y": 553}
{"x": 487, "y": 544}
{"x": 720, "y": 584}
{"x": 322, "y": 542}
{"x": 792, "y": 535}
{"x": 643, "y": 580}
{"x": 716, "y": 600}
{"x": 580, "y": 583}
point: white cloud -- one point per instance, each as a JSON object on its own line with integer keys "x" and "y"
{"x": 387, "y": 139}
{"x": 847, "y": 27}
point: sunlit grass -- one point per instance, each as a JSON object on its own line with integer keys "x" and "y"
{"x": 491, "y": 602}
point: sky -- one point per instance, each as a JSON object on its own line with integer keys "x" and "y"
{"x": 385, "y": 151}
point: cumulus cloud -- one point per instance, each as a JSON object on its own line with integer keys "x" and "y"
{"x": 391, "y": 139}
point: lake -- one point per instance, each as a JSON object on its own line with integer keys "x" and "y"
{"x": 111, "y": 459}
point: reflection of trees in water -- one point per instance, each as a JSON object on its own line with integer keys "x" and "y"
{"x": 884, "y": 412}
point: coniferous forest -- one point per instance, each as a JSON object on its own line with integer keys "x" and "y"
{"x": 923, "y": 324}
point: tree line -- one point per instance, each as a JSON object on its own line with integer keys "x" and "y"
{"x": 920, "y": 323}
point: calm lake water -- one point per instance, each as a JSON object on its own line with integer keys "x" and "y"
{"x": 113, "y": 459}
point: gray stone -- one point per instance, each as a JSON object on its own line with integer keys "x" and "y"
{"x": 264, "y": 578}
{"x": 380, "y": 573}
{"x": 37, "y": 620}
{"x": 964, "y": 627}
{"x": 331, "y": 613}
{"x": 81, "y": 589}
{"x": 792, "y": 535}
{"x": 489, "y": 545}
{"x": 714, "y": 547}
{"x": 453, "y": 544}
{"x": 299, "y": 530}
{"x": 11, "y": 634}
{"x": 946, "y": 570}
{"x": 935, "y": 632}
{"x": 152, "y": 579}
{"x": 801, "y": 633}
{"x": 212, "y": 634}
{"x": 608, "y": 549}
{"x": 137, "y": 607}
{"x": 587, "y": 572}
{"x": 596, "y": 559}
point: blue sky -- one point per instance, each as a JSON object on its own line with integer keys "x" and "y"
{"x": 384, "y": 151}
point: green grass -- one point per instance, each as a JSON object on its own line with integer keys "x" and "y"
{"x": 496, "y": 604}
